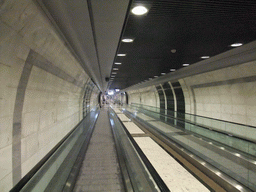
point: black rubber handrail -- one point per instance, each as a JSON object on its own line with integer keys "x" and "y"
{"x": 162, "y": 186}
{"x": 196, "y": 115}
{"x": 202, "y": 126}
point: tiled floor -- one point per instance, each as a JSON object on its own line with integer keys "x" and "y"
{"x": 100, "y": 169}
{"x": 176, "y": 177}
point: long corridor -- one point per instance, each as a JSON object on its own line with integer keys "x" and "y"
{"x": 100, "y": 169}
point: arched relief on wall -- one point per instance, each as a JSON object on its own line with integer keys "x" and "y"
{"x": 188, "y": 96}
{"x": 33, "y": 60}
{"x": 228, "y": 94}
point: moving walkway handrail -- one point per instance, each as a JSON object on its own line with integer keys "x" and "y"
{"x": 194, "y": 115}
{"x": 212, "y": 128}
{"x": 224, "y": 180}
{"x": 43, "y": 162}
{"x": 126, "y": 148}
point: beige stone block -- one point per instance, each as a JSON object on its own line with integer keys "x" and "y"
{"x": 208, "y": 107}
{"x": 215, "y": 99}
{"x": 251, "y": 120}
{"x": 6, "y": 33}
{"x": 6, "y": 124}
{"x": 239, "y": 119}
{"x": 30, "y": 123}
{"x": 225, "y": 89}
{"x": 27, "y": 165}
{"x": 47, "y": 117}
{"x": 35, "y": 33}
{"x": 216, "y": 108}
{"x": 239, "y": 109}
{"x": 6, "y": 183}
{"x": 226, "y": 117}
{"x": 9, "y": 49}
{"x": 5, "y": 161}
{"x": 251, "y": 110}
{"x": 47, "y": 135}
{"x": 238, "y": 99}
{"x": 250, "y": 99}
{"x": 7, "y": 101}
{"x": 225, "y": 99}
{"x": 12, "y": 10}
{"x": 30, "y": 146}
{"x": 216, "y": 115}
{"x": 226, "y": 109}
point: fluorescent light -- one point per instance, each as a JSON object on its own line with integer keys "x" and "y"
{"x": 115, "y": 69}
{"x": 113, "y": 73}
{"x": 205, "y": 57}
{"x": 112, "y": 76}
{"x": 110, "y": 92}
{"x": 117, "y": 90}
{"x": 127, "y": 40}
{"x": 172, "y": 69}
{"x": 185, "y": 64}
{"x": 121, "y": 54}
{"x": 163, "y": 73}
{"x": 139, "y": 10}
{"x": 236, "y": 44}
{"x": 118, "y": 63}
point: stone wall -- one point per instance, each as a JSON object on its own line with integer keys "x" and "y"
{"x": 40, "y": 89}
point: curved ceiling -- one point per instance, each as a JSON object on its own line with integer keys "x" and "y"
{"x": 171, "y": 34}
{"x": 177, "y": 32}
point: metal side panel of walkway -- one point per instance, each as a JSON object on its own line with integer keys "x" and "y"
{"x": 100, "y": 169}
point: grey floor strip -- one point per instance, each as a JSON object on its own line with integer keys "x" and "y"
{"x": 100, "y": 170}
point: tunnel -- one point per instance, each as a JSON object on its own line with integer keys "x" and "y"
{"x": 183, "y": 72}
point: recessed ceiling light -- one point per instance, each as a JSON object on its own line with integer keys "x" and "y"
{"x": 112, "y": 76}
{"x": 163, "y": 73}
{"x": 205, "y": 57}
{"x": 155, "y": 76}
{"x": 118, "y": 63}
{"x": 173, "y": 50}
{"x": 121, "y": 54}
{"x": 139, "y": 10}
{"x": 185, "y": 64}
{"x": 114, "y": 73}
{"x": 236, "y": 44}
{"x": 115, "y": 69}
{"x": 172, "y": 69}
{"x": 127, "y": 40}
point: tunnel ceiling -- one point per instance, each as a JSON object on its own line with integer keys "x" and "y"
{"x": 171, "y": 34}
{"x": 176, "y": 32}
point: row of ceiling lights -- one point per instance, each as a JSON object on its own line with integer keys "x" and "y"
{"x": 140, "y": 10}
{"x": 186, "y": 64}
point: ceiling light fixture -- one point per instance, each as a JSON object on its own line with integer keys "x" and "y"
{"x": 185, "y": 64}
{"x": 205, "y": 57}
{"x": 121, "y": 54}
{"x": 118, "y": 63}
{"x": 139, "y": 10}
{"x": 114, "y": 73}
{"x": 236, "y": 44}
{"x": 115, "y": 69}
{"x": 112, "y": 76}
{"x": 127, "y": 40}
{"x": 172, "y": 69}
{"x": 163, "y": 73}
